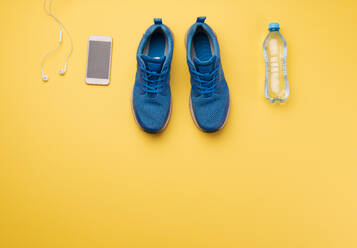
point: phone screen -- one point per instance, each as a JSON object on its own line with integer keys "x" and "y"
{"x": 99, "y": 59}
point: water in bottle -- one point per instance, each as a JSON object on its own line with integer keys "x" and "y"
{"x": 275, "y": 52}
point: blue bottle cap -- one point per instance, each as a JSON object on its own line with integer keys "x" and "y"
{"x": 274, "y": 26}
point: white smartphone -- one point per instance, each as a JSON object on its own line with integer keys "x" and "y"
{"x": 99, "y": 60}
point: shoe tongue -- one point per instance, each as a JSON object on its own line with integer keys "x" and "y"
{"x": 204, "y": 66}
{"x": 153, "y": 63}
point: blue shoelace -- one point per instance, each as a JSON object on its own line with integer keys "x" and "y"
{"x": 206, "y": 81}
{"x": 153, "y": 80}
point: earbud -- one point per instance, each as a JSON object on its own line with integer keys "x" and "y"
{"x": 63, "y": 71}
{"x": 44, "y": 78}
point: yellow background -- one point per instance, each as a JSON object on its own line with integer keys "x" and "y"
{"x": 76, "y": 171}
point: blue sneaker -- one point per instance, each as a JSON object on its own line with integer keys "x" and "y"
{"x": 151, "y": 99}
{"x": 209, "y": 101}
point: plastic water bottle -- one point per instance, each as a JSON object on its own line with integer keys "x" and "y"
{"x": 276, "y": 79}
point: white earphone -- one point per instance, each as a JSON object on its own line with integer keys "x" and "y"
{"x": 62, "y": 27}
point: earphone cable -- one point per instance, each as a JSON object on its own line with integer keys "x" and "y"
{"x": 49, "y": 12}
